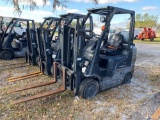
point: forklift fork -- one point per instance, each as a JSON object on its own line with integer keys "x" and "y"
{"x": 13, "y": 79}
{"x": 60, "y": 89}
{"x": 34, "y": 74}
{"x": 40, "y": 84}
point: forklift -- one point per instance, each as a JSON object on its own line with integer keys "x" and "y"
{"x": 32, "y": 55}
{"x": 97, "y": 65}
{"x": 12, "y": 44}
{"x": 34, "y": 43}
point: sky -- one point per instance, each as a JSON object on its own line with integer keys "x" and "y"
{"x": 80, "y": 6}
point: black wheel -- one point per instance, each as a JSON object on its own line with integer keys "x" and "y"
{"x": 127, "y": 78}
{"x": 88, "y": 88}
{"x": 6, "y": 55}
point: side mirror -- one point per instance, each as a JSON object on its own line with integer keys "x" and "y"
{"x": 102, "y": 18}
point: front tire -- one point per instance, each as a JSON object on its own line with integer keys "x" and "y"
{"x": 6, "y": 55}
{"x": 88, "y": 88}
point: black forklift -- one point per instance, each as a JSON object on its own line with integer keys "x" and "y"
{"x": 12, "y": 44}
{"x": 42, "y": 45}
{"x": 89, "y": 67}
{"x": 106, "y": 61}
{"x": 33, "y": 55}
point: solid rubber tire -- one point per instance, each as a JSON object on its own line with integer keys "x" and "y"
{"x": 88, "y": 88}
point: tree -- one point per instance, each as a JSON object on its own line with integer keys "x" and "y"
{"x": 32, "y": 4}
{"x": 146, "y": 20}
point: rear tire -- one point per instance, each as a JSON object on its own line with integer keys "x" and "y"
{"x": 6, "y": 55}
{"x": 127, "y": 78}
{"x": 88, "y": 88}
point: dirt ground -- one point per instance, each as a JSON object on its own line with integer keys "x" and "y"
{"x": 134, "y": 101}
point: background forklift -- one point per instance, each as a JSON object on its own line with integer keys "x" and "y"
{"x": 32, "y": 55}
{"x": 34, "y": 43}
{"x": 14, "y": 45}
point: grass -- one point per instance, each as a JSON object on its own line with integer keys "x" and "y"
{"x": 147, "y": 41}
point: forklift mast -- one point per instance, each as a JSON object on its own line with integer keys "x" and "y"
{"x": 44, "y": 41}
{"x": 31, "y": 54}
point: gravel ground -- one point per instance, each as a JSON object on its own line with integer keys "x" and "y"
{"x": 124, "y": 102}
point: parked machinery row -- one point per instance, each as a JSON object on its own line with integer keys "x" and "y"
{"x": 84, "y": 61}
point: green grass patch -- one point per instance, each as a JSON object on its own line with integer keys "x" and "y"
{"x": 147, "y": 41}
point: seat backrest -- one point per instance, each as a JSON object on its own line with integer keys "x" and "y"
{"x": 115, "y": 40}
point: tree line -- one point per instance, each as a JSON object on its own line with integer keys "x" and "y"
{"x": 146, "y": 20}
